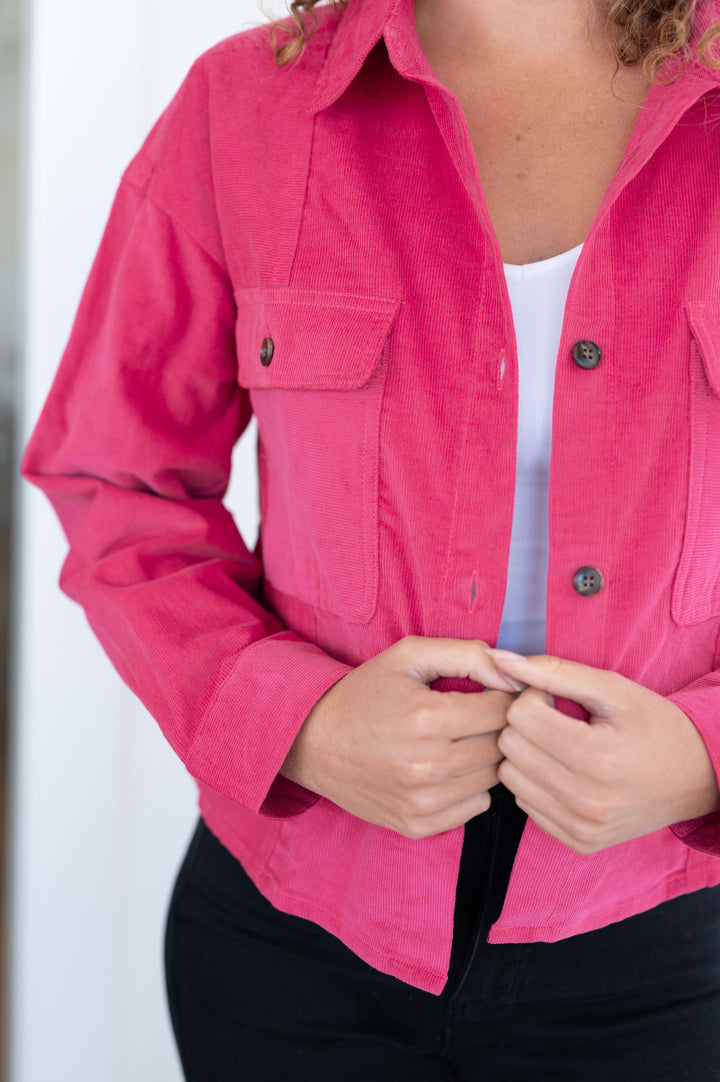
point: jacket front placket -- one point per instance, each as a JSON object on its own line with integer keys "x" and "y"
{"x": 586, "y": 437}
{"x": 474, "y": 578}
{"x": 583, "y": 428}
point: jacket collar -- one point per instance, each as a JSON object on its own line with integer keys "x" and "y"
{"x": 707, "y": 13}
{"x": 360, "y": 27}
{"x": 364, "y": 22}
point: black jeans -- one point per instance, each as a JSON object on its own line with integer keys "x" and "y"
{"x": 259, "y": 996}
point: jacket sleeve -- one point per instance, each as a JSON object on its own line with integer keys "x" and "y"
{"x": 133, "y": 448}
{"x": 701, "y": 702}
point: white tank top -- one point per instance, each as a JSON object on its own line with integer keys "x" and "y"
{"x": 538, "y": 292}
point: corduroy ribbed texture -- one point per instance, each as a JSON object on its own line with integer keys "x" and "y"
{"x": 335, "y": 207}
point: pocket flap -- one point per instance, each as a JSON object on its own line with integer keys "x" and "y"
{"x": 704, "y": 320}
{"x": 320, "y": 341}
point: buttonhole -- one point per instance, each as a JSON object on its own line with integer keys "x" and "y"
{"x": 476, "y": 599}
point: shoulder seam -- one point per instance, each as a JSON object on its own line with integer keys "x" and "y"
{"x": 146, "y": 193}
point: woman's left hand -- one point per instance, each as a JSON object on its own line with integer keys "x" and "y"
{"x": 638, "y": 765}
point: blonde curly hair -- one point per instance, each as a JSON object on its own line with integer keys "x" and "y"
{"x": 641, "y": 32}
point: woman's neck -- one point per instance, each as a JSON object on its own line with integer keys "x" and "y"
{"x": 522, "y": 33}
{"x": 539, "y": 94}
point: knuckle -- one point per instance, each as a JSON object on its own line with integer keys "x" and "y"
{"x": 532, "y": 701}
{"x": 404, "y": 648}
{"x": 605, "y": 765}
{"x": 536, "y": 696}
{"x": 523, "y": 707}
{"x": 423, "y": 721}
{"x": 407, "y": 773}
{"x": 479, "y": 651}
{"x": 585, "y": 849}
{"x": 484, "y": 802}
{"x": 591, "y": 810}
{"x": 515, "y": 710}
{"x": 489, "y": 777}
{"x": 615, "y": 680}
{"x": 422, "y": 806}
{"x": 414, "y": 773}
{"x": 418, "y": 816}
{"x": 590, "y": 832}
{"x": 505, "y": 741}
{"x": 583, "y": 838}
{"x": 499, "y": 700}
{"x": 411, "y": 829}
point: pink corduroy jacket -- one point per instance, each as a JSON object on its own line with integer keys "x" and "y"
{"x": 330, "y": 214}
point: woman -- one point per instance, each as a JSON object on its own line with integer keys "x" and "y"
{"x": 439, "y": 230}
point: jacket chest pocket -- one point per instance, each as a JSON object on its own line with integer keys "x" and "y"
{"x": 696, "y": 593}
{"x": 315, "y": 366}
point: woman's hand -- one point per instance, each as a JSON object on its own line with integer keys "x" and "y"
{"x": 387, "y": 748}
{"x": 638, "y": 765}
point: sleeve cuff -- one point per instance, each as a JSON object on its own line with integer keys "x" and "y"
{"x": 253, "y": 720}
{"x": 701, "y": 702}
{"x": 702, "y": 833}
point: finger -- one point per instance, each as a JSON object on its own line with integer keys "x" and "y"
{"x": 472, "y": 754}
{"x": 534, "y": 769}
{"x": 556, "y": 831}
{"x": 532, "y": 719}
{"x": 429, "y": 659}
{"x": 534, "y": 798}
{"x": 457, "y": 759}
{"x": 472, "y": 713}
{"x": 480, "y": 781}
{"x": 553, "y": 811}
{"x": 536, "y": 695}
{"x": 598, "y": 690}
{"x": 443, "y": 807}
{"x": 458, "y": 815}
{"x": 461, "y": 811}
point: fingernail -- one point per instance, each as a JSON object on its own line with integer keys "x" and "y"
{"x": 515, "y": 684}
{"x": 509, "y": 654}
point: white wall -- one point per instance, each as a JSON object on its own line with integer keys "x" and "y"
{"x": 102, "y": 811}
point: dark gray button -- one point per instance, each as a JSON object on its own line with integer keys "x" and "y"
{"x": 588, "y": 581}
{"x": 586, "y": 354}
{"x": 266, "y": 351}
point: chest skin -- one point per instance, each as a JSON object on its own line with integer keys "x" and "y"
{"x": 547, "y": 141}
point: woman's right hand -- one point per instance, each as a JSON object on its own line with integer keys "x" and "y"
{"x": 386, "y": 747}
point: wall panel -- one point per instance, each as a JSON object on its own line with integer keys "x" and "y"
{"x": 101, "y": 809}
